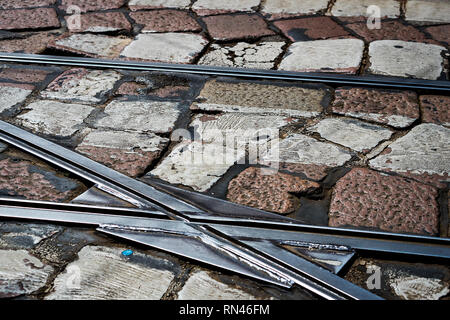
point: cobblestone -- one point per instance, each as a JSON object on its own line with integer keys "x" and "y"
{"x": 165, "y": 21}
{"x": 34, "y": 43}
{"x": 355, "y": 8}
{"x": 398, "y": 109}
{"x": 365, "y": 198}
{"x": 98, "y": 22}
{"x": 406, "y": 59}
{"x": 440, "y": 33}
{"x": 40, "y": 18}
{"x": 26, "y": 75}
{"x": 314, "y": 56}
{"x": 315, "y": 28}
{"x": 276, "y": 9}
{"x": 152, "y": 4}
{"x": 208, "y": 7}
{"x": 435, "y": 109}
{"x": 90, "y": 5}
{"x": 17, "y": 4}
{"x": 423, "y": 11}
{"x": 12, "y": 94}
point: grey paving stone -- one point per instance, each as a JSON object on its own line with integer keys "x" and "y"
{"x": 11, "y": 95}
{"x": 426, "y": 11}
{"x": 24, "y": 235}
{"x": 356, "y": 8}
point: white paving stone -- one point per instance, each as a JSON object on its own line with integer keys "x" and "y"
{"x": 353, "y": 134}
{"x": 21, "y": 273}
{"x": 301, "y": 149}
{"x": 428, "y": 11}
{"x": 201, "y": 286}
{"x": 229, "y": 5}
{"x": 244, "y": 55}
{"x": 55, "y": 118}
{"x": 197, "y": 165}
{"x": 425, "y": 149}
{"x": 10, "y": 96}
{"x": 166, "y": 47}
{"x": 418, "y": 288}
{"x": 181, "y": 4}
{"x": 350, "y": 8}
{"x": 338, "y": 55}
{"x": 101, "y": 273}
{"x": 406, "y": 59}
{"x": 294, "y": 6}
{"x": 140, "y": 116}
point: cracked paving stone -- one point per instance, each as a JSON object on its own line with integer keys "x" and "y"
{"x": 315, "y": 28}
{"x": 22, "y": 178}
{"x": 21, "y": 273}
{"x": 197, "y": 165}
{"x": 25, "y": 75}
{"x": 155, "y": 4}
{"x": 103, "y": 273}
{"x": 128, "y": 153}
{"x": 24, "y": 236}
{"x": 269, "y": 190}
{"x": 165, "y": 21}
{"x": 12, "y": 94}
{"x": 98, "y": 22}
{"x": 92, "y": 45}
{"x": 302, "y": 154}
{"x": 55, "y": 118}
{"x": 365, "y": 198}
{"x": 355, "y": 8}
{"x": 166, "y": 47}
{"x": 140, "y": 116}
{"x": 406, "y": 59}
{"x": 246, "y": 97}
{"x": 314, "y": 56}
{"x": 34, "y": 43}
{"x": 209, "y": 7}
{"x": 427, "y": 12}
{"x": 276, "y": 9}
{"x": 201, "y": 286}
{"x": 440, "y": 33}
{"x": 354, "y": 134}
{"x": 82, "y": 85}
{"x": 435, "y": 109}
{"x": 19, "y": 4}
{"x": 244, "y": 55}
{"x": 398, "y": 109}
{"x": 39, "y": 18}
{"x": 90, "y": 5}
{"x": 422, "y": 154}
{"x": 244, "y": 26}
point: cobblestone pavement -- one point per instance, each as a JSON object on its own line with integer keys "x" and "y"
{"x": 334, "y": 156}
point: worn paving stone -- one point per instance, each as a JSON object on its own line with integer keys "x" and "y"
{"x": 314, "y": 56}
{"x": 244, "y": 26}
{"x": 244, "y": 55}
{"x": 98, "y": 22}
{"x": 21, "y": 178}
{"x": 103, "y": 273}
{"x": 21, "y": 273}
{"x": 91, "y": 45}
{"x": 276, "y": 9}
{"x": 133, "y": 88}
{"x": 262, "y": 99}
{"x": 269, "y": 192}
{"x": 354, "y": 134}
{"x": 435, "y": 109}
{"x": 13, "y": 94}
{"x": 398, "y": 109}
{"x": 166, "y": 47}
{"x": 197, "y": 165}
{"x": 140, "y": 116}
{"x": 201, "y": 286}
{"x": 153, "y": 4}
{"x": 39, "y": 18}
{"x": 406, "y": 59}
{"x": 208, "y": 7}
{"x": 426, "y": 11}
{"x": 15, "y": 236}
{"x": 315, "y": 28}
{"x": 26, "y": 75}
{"x": 418, "y": 288}
{"x": 423, "y": 153}
{"x": 34, "y": 43}
{"x": 19, "y": 4}
{"x": 365, "y": 198}
{"x": 126, "y": 152}
{"x": 90, "y": 5}
{"x": 55, "y": 118}
{"x": 354, "y": 8}
{"x": 83, "y": 85}
{"x": 165, "y": 21}
{"x": 440, "y": 33}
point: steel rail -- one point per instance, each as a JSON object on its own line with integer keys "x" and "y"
{"x": 337, "y": 79}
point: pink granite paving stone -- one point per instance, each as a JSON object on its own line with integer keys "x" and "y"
{"x": 440, "y": 33}
{"x": 24, "y": 75}
{"x": 229, "y": 27}
{"x": 80, "y": 6}
{"x": 40, "y": 18}
{"x": 395, "y": 108}
{"x": 310, "y": 28}
{"x": 435, "y": 109}
{"x": 98, "y": 22}
{"x": 365, "y": 198}
{"x": 34, "y": 43}
{"x": 165, "y": 21}
{"x": 17, "y": 4}
{"x": 270, "y": 192}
